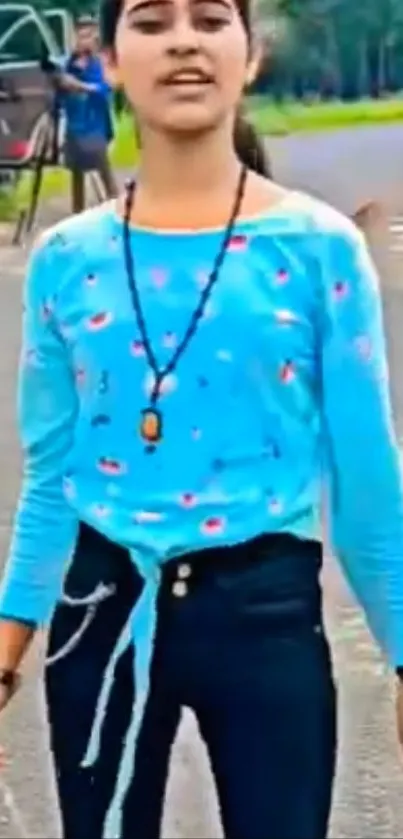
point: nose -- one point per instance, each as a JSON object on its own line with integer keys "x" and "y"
{"x": 184, "y": 38}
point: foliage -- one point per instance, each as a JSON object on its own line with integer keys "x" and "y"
{"x": 75, "y": 7}
{"x": 337, "y": 47}
{"x": 331, "y": 48}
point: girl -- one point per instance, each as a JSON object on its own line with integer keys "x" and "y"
{"x": 240, "y": 323}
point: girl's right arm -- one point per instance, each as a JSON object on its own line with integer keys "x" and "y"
{"x": 45, "y": 526}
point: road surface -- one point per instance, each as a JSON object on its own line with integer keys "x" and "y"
{"x": 368, "y": 800}
{"x": 348, "y": 167}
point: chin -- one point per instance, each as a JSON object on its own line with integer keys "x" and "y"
{"x": 188, "y": 119}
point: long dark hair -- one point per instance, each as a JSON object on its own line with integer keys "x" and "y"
{"x": 248, "y": 145}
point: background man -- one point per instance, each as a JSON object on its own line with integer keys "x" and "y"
{"x": 84, "y": 97}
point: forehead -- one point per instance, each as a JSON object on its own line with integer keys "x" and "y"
{"x": 86, "y": 30}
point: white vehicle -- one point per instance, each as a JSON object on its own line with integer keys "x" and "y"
{"x": 26, "y": 97}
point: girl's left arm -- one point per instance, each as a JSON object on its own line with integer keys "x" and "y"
{"x": 366, "y": 490}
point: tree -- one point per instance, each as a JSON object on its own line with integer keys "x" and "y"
{"x": 343, "y": 48}
{"x": 75, "y": 7}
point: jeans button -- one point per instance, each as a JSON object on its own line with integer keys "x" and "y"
{"x": 179, "y": 588}
{"x": 184, "y": 571}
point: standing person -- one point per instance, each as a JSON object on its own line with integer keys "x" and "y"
{"x": 241, "y": 325}
{"x": 85, "y": 101}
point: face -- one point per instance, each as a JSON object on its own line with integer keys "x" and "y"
{"x": 183, "y": 63}
{"x": 86, "y": 39}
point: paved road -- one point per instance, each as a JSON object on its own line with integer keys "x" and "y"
{"x": 347, "y": 167}
{"x": 368, "y": 801}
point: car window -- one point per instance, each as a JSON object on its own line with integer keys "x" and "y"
{"x": 25, "y": 44}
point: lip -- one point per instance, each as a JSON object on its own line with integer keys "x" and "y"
{"x": 189, "y": 77}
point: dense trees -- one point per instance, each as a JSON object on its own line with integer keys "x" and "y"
{"x": 341, "y": 48}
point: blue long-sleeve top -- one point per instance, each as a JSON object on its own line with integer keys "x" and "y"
{"x": 87, "y": 113}
{"x": 281, "y": 396}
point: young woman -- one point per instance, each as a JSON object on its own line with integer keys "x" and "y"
{"x": 201, "y": 360}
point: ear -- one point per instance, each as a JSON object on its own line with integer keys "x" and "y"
{"x": 111, "y": 69}
{"x": 254, "y": 63}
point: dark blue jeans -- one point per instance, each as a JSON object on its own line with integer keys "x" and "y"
{"x": 245, "y": 649}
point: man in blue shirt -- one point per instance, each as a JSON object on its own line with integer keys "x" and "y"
{"x": 85, "y": 101}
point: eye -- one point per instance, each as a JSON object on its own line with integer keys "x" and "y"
{"x": 210, "y": 22}
{"x": 211, "y": 16}
{"x": 150, "y": 17}
{"x": 149, "y": 27}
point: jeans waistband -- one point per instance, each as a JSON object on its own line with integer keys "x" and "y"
{"x": 97, "y": 559}
{"x": 266, "y": 547}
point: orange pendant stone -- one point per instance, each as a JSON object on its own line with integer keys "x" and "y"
{"x": 151, "y": 426}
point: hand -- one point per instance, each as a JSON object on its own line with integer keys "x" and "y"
{"x": 5, "y": 696}
{"x": 15, "y": 638}
{"x": 399, "y": 711}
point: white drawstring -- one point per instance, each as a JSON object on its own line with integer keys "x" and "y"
{"x": 140, "y": 627}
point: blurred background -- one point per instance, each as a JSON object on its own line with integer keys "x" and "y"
{"x": 327, "y": 64}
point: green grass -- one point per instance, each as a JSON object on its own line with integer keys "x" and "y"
{"x": 286, "y": 119}
{"x": 295, "y": 117}
{"x": 124, "y": 154}
{"x": 291, "y": 117}
{"x": 7, "y": 205}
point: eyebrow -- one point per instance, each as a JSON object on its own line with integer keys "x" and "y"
{"x": 225, "y": 4}
{"x": 147, "y": 4}
{"x": 152, "y": 4}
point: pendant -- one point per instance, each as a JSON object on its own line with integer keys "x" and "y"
{"x": 151, "y": 426}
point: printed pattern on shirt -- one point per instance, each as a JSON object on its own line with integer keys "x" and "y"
{"x": 265, "y": 395}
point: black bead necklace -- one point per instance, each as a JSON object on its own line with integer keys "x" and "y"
{"x": 151, "y": 421}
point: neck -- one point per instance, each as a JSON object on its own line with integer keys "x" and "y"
{"x": 189, "y": 169}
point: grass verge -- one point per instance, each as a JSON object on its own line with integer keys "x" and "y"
{"x": 293, "y": 117}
